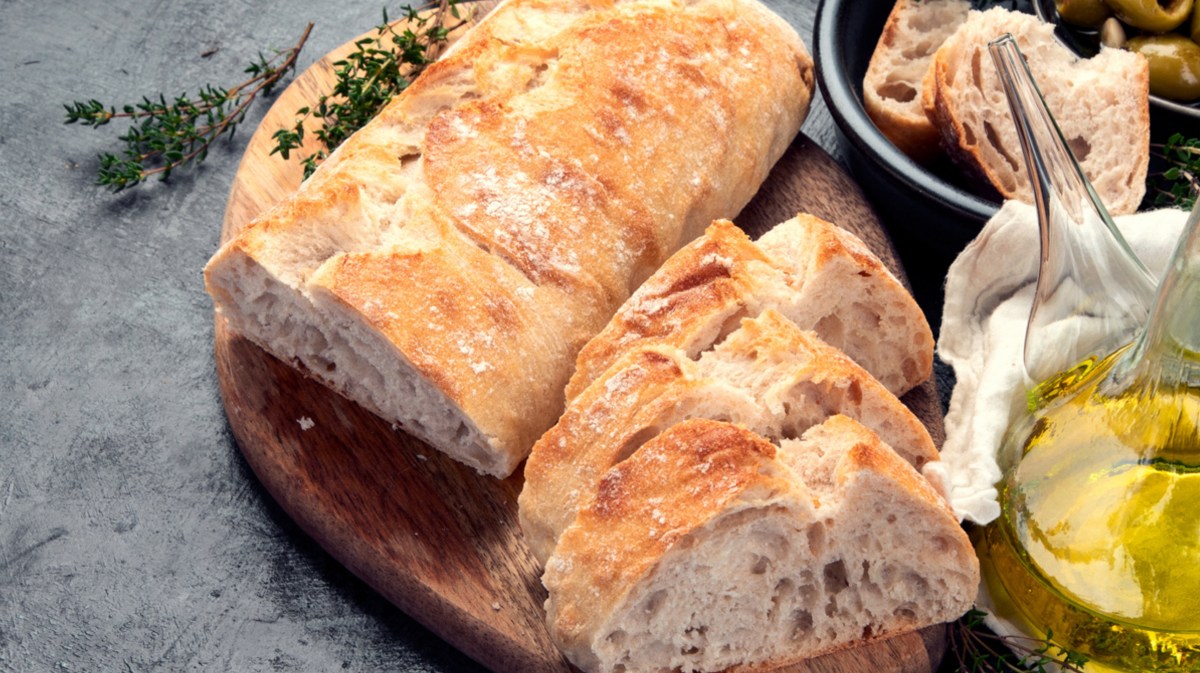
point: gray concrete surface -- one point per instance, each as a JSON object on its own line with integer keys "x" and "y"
{"x": 133, "y": 537}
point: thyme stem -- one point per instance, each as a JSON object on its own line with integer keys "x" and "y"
{"x": 166, "y": 136}
{"x": 978, "y": 650}
{"x": 367, "y": 79}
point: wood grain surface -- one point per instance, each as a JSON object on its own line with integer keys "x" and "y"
{"x": 431, "y": 535}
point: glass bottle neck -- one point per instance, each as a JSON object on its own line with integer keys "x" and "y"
{"x": 1168, "y": 349}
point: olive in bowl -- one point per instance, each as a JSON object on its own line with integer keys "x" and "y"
{"x": 1174, "y": 64}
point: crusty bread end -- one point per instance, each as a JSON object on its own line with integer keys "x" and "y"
{"x": 815, "y": 273}
{"x": 893, "y": 85}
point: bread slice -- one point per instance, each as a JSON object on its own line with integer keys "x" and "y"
{"x": 893, "y": 83}
{"x": 767, "y": 375}
{"x": 817, "y": 274}
{"x": 711, "y": 549}
{"x": 1101, "y": 105}
{"x": 447, "y": 263}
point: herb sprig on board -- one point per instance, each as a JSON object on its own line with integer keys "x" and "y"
{"x": 978, "y": 650}
{"x": 167, "y": 135}
{"x": 1178, "y": 183}
{"x": 378, "y": 69}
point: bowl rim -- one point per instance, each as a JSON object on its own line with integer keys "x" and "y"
{"x": 843, "y": 98}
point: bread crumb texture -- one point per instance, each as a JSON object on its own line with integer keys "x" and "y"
{"x": 711, "y": 547}
{"x": 893, "y": 85}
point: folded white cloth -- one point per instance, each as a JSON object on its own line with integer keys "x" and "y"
{"x": 989, "y": 291}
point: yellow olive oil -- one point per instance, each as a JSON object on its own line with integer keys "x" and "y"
{"x": 1099, "y": 539}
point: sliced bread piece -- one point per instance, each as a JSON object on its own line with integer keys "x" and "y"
{"x": 768, "y": 375}
{"x": 1101, "y": 105}
{"x": 710, "y": 549}
{"x": 817, "y": 274}
{"x": 893, "y": 83}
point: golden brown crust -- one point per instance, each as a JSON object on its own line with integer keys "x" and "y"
{"x": 562, "y": 156}
{"x": 702, "y": 291}
{"x": 466, "y": 328}
{"x": 639, "y": 514}
{"x": 705, "y": 279}
{"x": 597, "y": 431}
{"x": 650, "y": 388}
{"x": 698, "y": 475}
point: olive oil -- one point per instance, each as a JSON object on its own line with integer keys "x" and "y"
{"x": 1099, "y": 539}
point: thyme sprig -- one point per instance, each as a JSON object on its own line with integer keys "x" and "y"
{"x": 1177, "y": 185}
{"x": 380, "y": 67}
{"x": 978, "y": 650}
{"x": 165, "y": 136}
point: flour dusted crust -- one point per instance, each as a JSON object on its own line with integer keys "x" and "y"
{"x": 817, "y": 274}
{"x": 710, "y": 548}
{"x": 446, "y": 264}
{"x": 767, "y": 374}
{"x": 1101, "y": 106}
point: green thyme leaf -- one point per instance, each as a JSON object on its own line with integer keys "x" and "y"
{"x": 164, "y": 136}
{"x": 978, "y": 650}
{"x": 1178, "y": 184}
{"x": 379, "y": 68}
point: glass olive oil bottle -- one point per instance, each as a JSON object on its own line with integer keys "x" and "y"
{"x": 1098, "y": 542}
{"x": 1099, "y": 536}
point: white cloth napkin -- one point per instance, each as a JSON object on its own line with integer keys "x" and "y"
{"x": 989, "y": 291}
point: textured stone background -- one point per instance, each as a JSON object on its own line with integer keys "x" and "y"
{"x": 133, "y": 537}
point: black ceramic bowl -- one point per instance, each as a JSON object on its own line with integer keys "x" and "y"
{"x": 930, "y": 212}
{"x": 929, "y": 216}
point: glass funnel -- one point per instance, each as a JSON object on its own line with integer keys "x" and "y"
{"x": 1092, "y": 293}
{"x": 1098, "y": 540}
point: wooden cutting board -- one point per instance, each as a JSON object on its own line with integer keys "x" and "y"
{"x": 432, "y": 536}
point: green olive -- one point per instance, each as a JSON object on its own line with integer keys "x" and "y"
{"x": 1174, "y": 65}
{"x": 1090, "y": 13}
{"x": 1152, "y": 15}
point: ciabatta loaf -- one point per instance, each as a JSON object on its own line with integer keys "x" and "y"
{"x": 710, "y": 548}
{"x": 1101, "y": 105}
{"x": 767, "y": 375}
{"x": 816, "y": 274}
{"x": 893, "y": 83}
{"x": 444, "y": 267}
